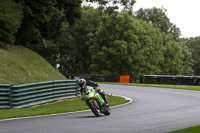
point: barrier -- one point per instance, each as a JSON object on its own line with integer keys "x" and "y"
{"x": 98, "y": 78}
{"x": 4, "y": 96}
{"x": 124, "y": 79}
{"x": 170, "y": 79}
{"x": 21, "y": 96}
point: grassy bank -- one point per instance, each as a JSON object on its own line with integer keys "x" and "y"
{"x": 20, "y": 65}
{"x": 54, "y": 108}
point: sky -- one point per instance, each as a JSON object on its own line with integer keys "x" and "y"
{"x": 185, "y": 14}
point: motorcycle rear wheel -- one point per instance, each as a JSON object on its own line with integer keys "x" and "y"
{"x": 108, "y": 111}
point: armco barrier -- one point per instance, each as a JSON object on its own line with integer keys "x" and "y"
{"x": 4, "y": 96}
{"x": 20, "y": 96}
{"x": 38, "y": 93}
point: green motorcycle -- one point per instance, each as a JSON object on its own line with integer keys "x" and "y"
{"x": 95, "y": 102}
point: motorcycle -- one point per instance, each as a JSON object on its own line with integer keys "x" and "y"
{"x": 95, "y": 102}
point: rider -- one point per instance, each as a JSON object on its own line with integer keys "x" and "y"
{"x": 83, "y": 83}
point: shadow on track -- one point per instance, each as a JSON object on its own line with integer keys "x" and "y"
{"x": 85, "y": 117}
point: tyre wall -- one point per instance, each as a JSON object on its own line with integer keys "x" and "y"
{"x": 170, "y": 79}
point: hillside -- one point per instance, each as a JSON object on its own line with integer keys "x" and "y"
{"x": 19, "y": 65}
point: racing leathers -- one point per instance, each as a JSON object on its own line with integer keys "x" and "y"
{"x": 96, "y": 88}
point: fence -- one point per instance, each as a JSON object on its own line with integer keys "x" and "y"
{"x": 20, "y": 96}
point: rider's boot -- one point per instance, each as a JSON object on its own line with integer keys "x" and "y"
{"x": 101, "y": 92}
{"x": 104, "y": 97}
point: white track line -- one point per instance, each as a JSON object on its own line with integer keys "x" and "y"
{"x": 127, "y": 98}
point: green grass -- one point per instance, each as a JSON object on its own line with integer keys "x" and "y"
{"x": 195, "y": 129}
{"x": 20, "y": 65}
{"x": 184, "y": 87}
{"x": 54, "y": 108}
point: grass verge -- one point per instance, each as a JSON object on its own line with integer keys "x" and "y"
{"x": 54, "y": 108}
{"x": 195, "y": 129}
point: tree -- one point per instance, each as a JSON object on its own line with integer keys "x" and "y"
{"x": 76, "y": 57}
{"x": 111, "y": 5}
{"x": 101, "y": 41}
{"x": 123, "y": 45}
{"x": 173, "y": 64}
{"x": 44, "y": 23}
{"x": 72, "y": 9}
{"x": 35, "y": 14}
{"x": 10, "y": 20}
{"x": 194, "y": 46}
{"x": 158, "y": 18}
{"x": 187, "y": 59}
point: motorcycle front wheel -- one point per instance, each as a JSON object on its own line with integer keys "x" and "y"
{"x": 95, "y": 108}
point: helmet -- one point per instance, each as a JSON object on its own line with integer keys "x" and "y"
{"x": 82, "y": 83}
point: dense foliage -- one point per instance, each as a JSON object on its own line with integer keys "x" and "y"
{"x": 10, "y": 20}
{"x": 81, "y": 39}
{"x": 194, "y": 47}
{"x": 158, "y": 18}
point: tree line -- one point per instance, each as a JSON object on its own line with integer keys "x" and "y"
{"x": 81, "y": 39}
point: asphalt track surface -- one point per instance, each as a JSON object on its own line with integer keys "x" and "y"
{"x": 153, "y": 110}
